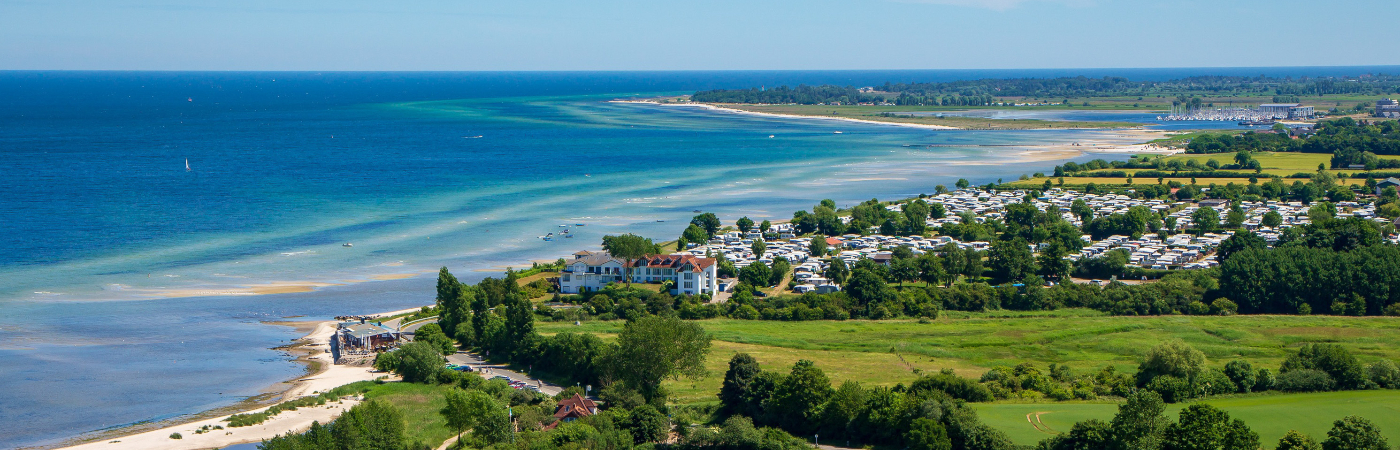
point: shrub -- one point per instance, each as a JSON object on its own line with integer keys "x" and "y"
{"x": 1242, "y": 374}
{"x": 1172, "y": 389}
{"x": 1173, "y": 358}
{"x": 1384, "y": 374}
{"x": 1354, "y": 433}
{"x": 1304, "y": 380}
{"x": 956, "y": 386}
{"x": 1333, "y": 359}
{"x": 176, "y": 436}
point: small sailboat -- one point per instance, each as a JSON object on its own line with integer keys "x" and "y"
{"x": 347, "y": 244}
{"x": 836, "y": 132}
{"x": 770, "y": 136}
{"x": 187, "y": 164}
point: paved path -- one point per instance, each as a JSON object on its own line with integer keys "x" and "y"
{"x": 488, "y": 370}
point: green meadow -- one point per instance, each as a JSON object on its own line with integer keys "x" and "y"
{"x": 1270, "y": 415}
{"x": 894, "y": 351}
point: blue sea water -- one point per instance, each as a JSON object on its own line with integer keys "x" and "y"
{"x": 123, "y": 275}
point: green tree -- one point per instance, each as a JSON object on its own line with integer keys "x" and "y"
{"x": 1354, "y": 433}
{"x": 930, "y": 269}
{"x": 1011, "y": 260}
{"x": 465, "y": 409}
{"x": 372, "y": 425}
{"x": 817, "y": 248}
{"x": 744, "y": 224}
{"x": 1334, "y": 359}
{"x": 780, "y": 269}
{"x": 1139, "y": 424}
{"x": 1235, "y": 218}
{"x": 758, "y": 248}
{"x": 692, "y": 234}
{"x": 765, "y": 226}
{"x": 1293, "y": 440}
{"x": 837, "y": 271}
{"x": 962, "y": 183}
{"x": 631, "y": 247}
{"x": 653, "y": 348}
{"x": 1241, "y": 241}
{"x": 1052, "y": 262}
{"x": 867, "y": 287}
{"x": 798, "y": 398}
{"x": 1173, "y": 357}
{"x": 647, "y": 424}
{"x": 904, "y": 270}
{"x": 419, "y": 362}
{"x": 733, "y": 392}
{"x": 1205, "y": 427}
{"x": 927, "y": 434}
{"x": 1206, "y": 219}
{"x": 756, "y": 274}
{"x": 708, "y": 221}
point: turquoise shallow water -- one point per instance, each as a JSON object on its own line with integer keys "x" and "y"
{"x": 100, "y": 223}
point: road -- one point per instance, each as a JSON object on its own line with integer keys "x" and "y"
{"x": 488, "y": 370}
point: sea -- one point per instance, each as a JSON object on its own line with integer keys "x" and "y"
{"x": 155, "y": 225}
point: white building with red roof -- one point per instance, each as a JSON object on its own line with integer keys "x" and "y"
{"x": 691, "y": 274}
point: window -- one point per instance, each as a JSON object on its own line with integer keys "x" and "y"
{"x": 566, "y": 277}
{"x": 690, "y": 285}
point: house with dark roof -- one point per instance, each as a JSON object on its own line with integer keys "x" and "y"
{"x": 590, "y": 271}
{"x": 691, "y": 274}
{"x": 1388, "y": 182}
{"x": 571, "y": 409}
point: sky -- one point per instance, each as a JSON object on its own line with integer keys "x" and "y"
{"x": 472, "y": 35}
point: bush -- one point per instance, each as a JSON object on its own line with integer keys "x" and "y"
{"x": 1172, "y": 389}
{"x": 1384, "y": 374}
{"x": 1333, "y": 359}
{"x": 1305, "y": 380}
{"x": 176, "y": 436}
{"x": 956, "y": 386}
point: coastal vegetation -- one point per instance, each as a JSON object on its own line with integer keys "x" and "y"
{"x": 1059, "y": 91}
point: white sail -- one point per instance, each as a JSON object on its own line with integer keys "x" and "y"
{"x": 187, "y": 164}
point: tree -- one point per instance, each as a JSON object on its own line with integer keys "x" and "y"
{"x": 647, "y": 424}
{"x": 1011, "y": 260}
{"x": 1206, "y": 219}
{"x": 930, "y": 269}
{"x": 630, "y": 247}
{"x": 1241, "y": 241}
{"x": 1205, "y": 427}
{"x": 372, "y": 425}
{"x": 1293, "y": 440}
{"x": 655, "y": 348}
{"x": 1092, "y": 434}
{"x": 465, "y": 409}
{"x": 1140, "y": 423}
{"x": 1335, "y": 360}
{"x": 733, "y": 392}
{"x": 756, "y": 274}
{"x": 1173, "y": 358}
{"x": 817, "y": 248}
{"x": 758, "y": 247}
{"x": 765, "y": 226}
{"x": 744, "y": 224}
{"x": 1234, "y": 218}
{"x": 904, "y": 270}
{"x": 962, "y": 183}
{"x": 837, "y": 271}
{"x": 450, "y": 299}
{"x": 692, "y": 234}
{"x": 1354, "y": 433}
{"x": 927, "y": 434}
{"x": 867, "y": 287}
{"x": 419, "y": 362}
{"x": 780, "y": 269}
{"x": 708, "y": 221}
{"x": 1081, "y": 210}
{"x": 1053, "y": 263}
{"x": 798, "y": 398}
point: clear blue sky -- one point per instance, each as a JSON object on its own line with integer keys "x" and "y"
{"x": 689, "y": 35}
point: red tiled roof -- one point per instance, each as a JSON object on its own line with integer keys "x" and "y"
{"x": 673, "y": 261}
{"x": 575, "y": 406}
{"x": 833, "y": 241}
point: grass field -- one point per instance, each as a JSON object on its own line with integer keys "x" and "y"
{"x": 887, "y": 352}
{"x": 1270, "y": 415}
{"x": 1282, "y": 164}
{"x": 421, "y": 404}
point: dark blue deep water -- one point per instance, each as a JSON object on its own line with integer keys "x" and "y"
{"x": 124, "y": 278}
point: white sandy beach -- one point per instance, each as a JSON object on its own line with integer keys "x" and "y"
{"x": 331, "y": 376}
{"x": 788, "y": 116}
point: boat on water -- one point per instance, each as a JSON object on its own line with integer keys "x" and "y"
{"x": 187, "y": 164}
{"x": 836, "y": 132}
{"x": 347, "y": 244}
{"x": 659, "y": 220}
{"x": 578, "y": 224}
{"x": 569, "y": 236}
{"x": 472, "y": 137}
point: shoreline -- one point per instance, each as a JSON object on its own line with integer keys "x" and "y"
{"x": 322, "y": 374}
{"x": 787, "y": 116}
